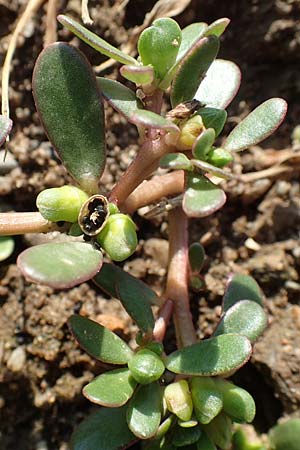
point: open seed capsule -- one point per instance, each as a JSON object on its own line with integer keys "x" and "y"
{"x": 146, "y": 366}
{"x": 61, "y": 204}
{"x": 118, "y": 237}
{"x": 93, "y": 215}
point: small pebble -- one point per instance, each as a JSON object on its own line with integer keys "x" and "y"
{"x": 17, "y": 359}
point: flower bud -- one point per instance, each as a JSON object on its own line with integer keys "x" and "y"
{"x": 118, "y": 237}
{"x": 219, "y": 157}
{"x": 178, "y": 399}
{"x": 146, "y": 366}
{"x": 190, "y": 130}
{"x": 61, "y": 204}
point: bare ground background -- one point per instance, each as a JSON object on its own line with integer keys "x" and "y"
{"x": 41, "y": 368}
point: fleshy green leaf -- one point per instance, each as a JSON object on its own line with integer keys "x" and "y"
{"x": 60, "y": 265}
{"x": 196, "y": 256}
{"x": 241, "y": 287}
{"x": 210, "y": 357}
{"x": 176, "y": 161}
{"x": 7, "y": 245}
{"x": 5, "y": 128}
{"x": 220, "y": 85}
{"x": 244, "y": 317}
{"x": 237, "y": 402}
{"x": 286, "y": 436}
{"x": 185, "y": 436}
{"x": 158, "y": 45}
{"x": 121, "y": 98}
{"x": 138, "y": 74}
{"x": 144, "y": 411}
{"x": 201, "y": 197}
{"x": 258, "y": 125}
{"x": 192, "y": 69}
{"x": 105, "y": 429}
{"x": 203, "y": 144}
{"x": 112, "y": 389}
{"x": 95, "y": 41}
{"x": 219, "y": 430}
{"x": 177, "y": 397}
{"x": 218, "y": 27}
{"x": 205, "y": 443}
{"x": 213, "y": 118}
{"x": 69, "y": 103}
{"x": 135, "y": 296}
{"x": 150, "y": 119}
{"x": 207, "y": 399}
{"x": 99, "y": 342}
{"x": 190, "y": 35}
{"x": 146, "y": 366}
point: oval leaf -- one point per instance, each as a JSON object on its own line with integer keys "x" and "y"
{"x": 144, "y": 411}
{"x": 121, "y": 98}
{"x": 258, "y": 125}
{"x": 205, "y": 443}
{"x": 5, "y": 128}
{"x": 98, "y": 341}
{"x": 105, "y": 429}
{"x": 192, "y": 69}
{"x": 135, "y": 296}
{"x": 69, "y": 103}
{"x": 60, "y": 265}
{"x": 218, "y": 27}
{"x": 111, "y": 389}
{"x": 219, "y": 430}
{"x": 196, "y": 257}
{"x": 182, "y": 436}
{"x": 138, "y": 74}
{"x": 203, "y": 144}
{"x": 212, "y": 356}
{"x": 201, "y": 197}
{"x": 207, "y": 399}
{"x": 175, "y": 161}
{"x": 241, "y": 287}
{"x": 220, "y": 85}
{"x": 286, "y": 435}
{"x": 150, "y": 119}
{"x": 245, "y": 317}
{"x": 95, "y": 41}
{"x": 237, "y": 402}
{"x": 7, "y": 245}
{"x": 213, "y": 118}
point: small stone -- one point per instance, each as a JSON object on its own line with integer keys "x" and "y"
{"x": 17, "y": 359}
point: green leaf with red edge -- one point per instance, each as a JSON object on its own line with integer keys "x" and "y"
{"x": 144, "y": 410}
{"x": 241, "y": 287}
{"x": 138, "y": 74}
{"x": 105, "y": 429}
{"x": 149, "y": 119}
{"x": 70, "y": 106}
{"x": 158, "y": 45}
{"x": 113, "y": 388}
{"x": 192, "y": 69}
{"x": 220, "y": 85}
{"x": 257, "y": 126}
{"x": 98, "y": 341}
{"x": 120, "y": 97}
{"x": 95, "y": 41}
{"x": 244, "y": 317}
{"x": 135, "y": 296}
{"x": 60, "y": 265}
{"x": 5, "y": 128}
{"x": 190, "y": 35}
{"x": 217, "y": 27}
{"x": 211, "y": 357}
{"x": 201, "y": 198}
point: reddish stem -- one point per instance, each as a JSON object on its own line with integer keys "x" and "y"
{"x": 177, "y": 281}
{"x": 162, "y": 321}
{"x": 27, "y": 222}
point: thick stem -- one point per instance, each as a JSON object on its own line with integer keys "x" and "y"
{"x": 162, "y": 321}
{"x": 27, "y": 222}
{"x": 177, "y": 281}
{"x": 154, "y": 190}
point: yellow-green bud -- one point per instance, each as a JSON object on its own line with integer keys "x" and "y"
{"x": 118, "y": 237}
{"x": 178, "y": 399}
{"x": 190, "y": 130}
{"x": 61, "y": 204}
{"x": 219, "y": 157}
{"x": 146, "y": 366}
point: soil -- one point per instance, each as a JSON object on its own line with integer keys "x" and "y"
{"x": 42, "y": 370}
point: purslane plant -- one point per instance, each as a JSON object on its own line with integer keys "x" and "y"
{"x": 167, "y": 401}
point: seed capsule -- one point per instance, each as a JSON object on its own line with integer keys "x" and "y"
{"x": 61, "y": 204}
{"x": 118, "y": 237}
{"x": 93, "y": 215}
{"x": 146, "y": 366}
{"x": 190, "y": 130}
